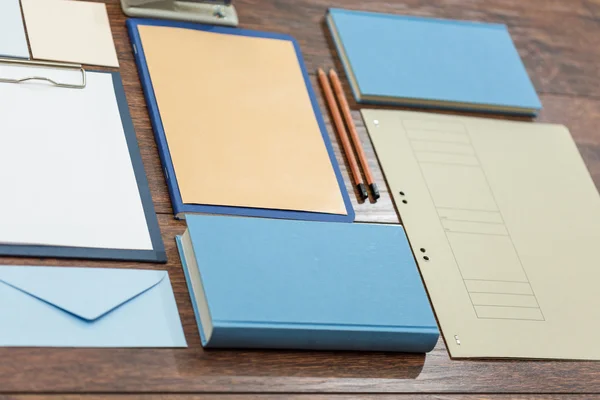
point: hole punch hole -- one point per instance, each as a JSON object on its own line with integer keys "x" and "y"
{"x": 426, "y": 258}
{"x": 422, "y": 250}
{"x": 401, "y": 193}
{"x": 405, "y": 202}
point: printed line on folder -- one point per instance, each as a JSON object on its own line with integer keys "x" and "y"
{"x": 502, "y": 293}
{"x": 495, "y": 280}
{"x": 513, "y": 319}
{"x": 469, "y": 216}
{"x": 514, "y": 313}
{"x": 451, "y": 153}
{"x": 504, "y": 306}
{"x": 438, "y": 141}
{"x": 453, "y": 127}
{"x": 474, "y": 233}
{"x": 454, "y": 137}
{"x": 499, "y": 287}
{"x": 450, "y": 164}
{"x": 469, "y": 220}
{"x": 446, "y": 158}
{"x": 503, "y": 300}
{"x": 467, "y": 209}
{"x": 439, "y": 138}
{"x": 448, "y": 148}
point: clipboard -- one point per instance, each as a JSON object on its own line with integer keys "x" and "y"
{"x": 78, "y": 230}
{"x": 174, "y": 182}
{"x": 503, "y": 219}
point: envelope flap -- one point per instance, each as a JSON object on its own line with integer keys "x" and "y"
{"x": 88, "y": 293}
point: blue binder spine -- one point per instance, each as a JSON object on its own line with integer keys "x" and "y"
{"x": 155, "y": 120}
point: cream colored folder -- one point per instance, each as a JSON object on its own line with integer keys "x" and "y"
{"x": 504, "y": 221}
{"x": 72, "y": 31}
{"x": 239, "y": 122}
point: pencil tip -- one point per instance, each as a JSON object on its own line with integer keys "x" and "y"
{"x": 362, "y": 190}
{"x": 375, "y": 191}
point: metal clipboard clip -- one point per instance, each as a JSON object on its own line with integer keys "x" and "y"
{"x": 68, "y": 66}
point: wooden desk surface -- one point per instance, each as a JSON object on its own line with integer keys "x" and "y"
{"x": 559, "y": 41}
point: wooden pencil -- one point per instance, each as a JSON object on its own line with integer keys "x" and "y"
{"x": 339, "y": 126}
{"x": 339, "y": 92}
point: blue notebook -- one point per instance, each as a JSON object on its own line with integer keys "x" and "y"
{"x": 287, "y": 208}
{"x": 426, "y": 62}
{"x": 264, "y": 283}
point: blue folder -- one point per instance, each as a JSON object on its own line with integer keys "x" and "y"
{"x": 429, "y": 62}
{"x": 305, "y": 285}
{"x": 179, "y": 207}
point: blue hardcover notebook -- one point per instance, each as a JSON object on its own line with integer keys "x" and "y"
{"x": 264, "y": 283}
{"x": 427, "y": 62}
{"x": 228, "y": 141}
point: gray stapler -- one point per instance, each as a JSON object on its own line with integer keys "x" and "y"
{"x": 218, "y": 12}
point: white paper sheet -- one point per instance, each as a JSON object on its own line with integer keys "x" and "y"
{"x": 66, "y": 177}
{"x": 12, "y": 32}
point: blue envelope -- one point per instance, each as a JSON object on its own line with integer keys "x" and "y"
{"x": 87, "y": 307}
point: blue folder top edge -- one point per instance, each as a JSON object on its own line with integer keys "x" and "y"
{"x": 475, "y": 24}
{"x": 158, "y": 253}
{"x": 157, "y": 125}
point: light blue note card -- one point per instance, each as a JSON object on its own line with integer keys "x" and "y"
{"x": 12, "y": 31}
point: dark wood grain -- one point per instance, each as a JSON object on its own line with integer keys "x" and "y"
{"x": 288, "y": 396}
{"x": 554, "y": 39}
{"x": 559, "y": 41}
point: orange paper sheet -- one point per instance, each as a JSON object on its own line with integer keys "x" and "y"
{"x": 239, "y": 122}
